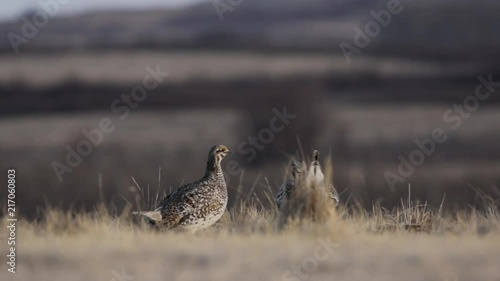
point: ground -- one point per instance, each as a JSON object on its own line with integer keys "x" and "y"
{"x": 247, "y": 245}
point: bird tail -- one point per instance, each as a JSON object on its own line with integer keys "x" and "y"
{"x": 152, "y": 216}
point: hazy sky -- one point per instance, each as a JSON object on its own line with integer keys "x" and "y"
{"x": 11, "y": 9}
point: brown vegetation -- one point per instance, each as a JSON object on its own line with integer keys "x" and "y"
{"x": 247, "y": 244}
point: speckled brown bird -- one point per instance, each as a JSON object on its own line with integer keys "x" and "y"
{"x": 286, "y": 190}
{"x": 196, "y": 205}
{"x": 315, "y": 175}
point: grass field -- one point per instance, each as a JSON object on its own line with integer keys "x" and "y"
{"x": 249, "y": 243}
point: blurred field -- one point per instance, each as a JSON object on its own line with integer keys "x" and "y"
{"x": 128, "y": 67}
{"x": 363, "y": 115}
{"x": 364, "y": 142}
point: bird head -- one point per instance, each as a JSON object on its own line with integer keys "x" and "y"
{"x": 297, "y": 168}
{"x": 218, "y": 153}
{"x": 315, "y": 155}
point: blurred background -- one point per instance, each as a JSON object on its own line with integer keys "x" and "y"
{"x": 364, "y": 80}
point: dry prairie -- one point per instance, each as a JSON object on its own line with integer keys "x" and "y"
{"x": 247, "y": 245}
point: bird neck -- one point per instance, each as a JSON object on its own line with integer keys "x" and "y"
{"x": 314, "y": 168}
{"x": 213, "y": 168}
{"x": 214, "y": 173}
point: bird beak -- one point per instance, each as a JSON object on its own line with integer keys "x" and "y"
{"x": 229, "y": 151}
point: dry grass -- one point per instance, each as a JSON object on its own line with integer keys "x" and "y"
{"x": 247, "y": 244}
{"x": 309, "y": 202}
{"x": 306, "y": 240}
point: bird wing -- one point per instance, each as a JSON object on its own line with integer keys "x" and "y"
{"x": 284, "y": 192}
{"x": 334, "y": 195}
{"x": 178, "y": 206}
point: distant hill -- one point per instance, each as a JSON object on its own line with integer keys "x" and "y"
{"x": 449, "y": 29}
